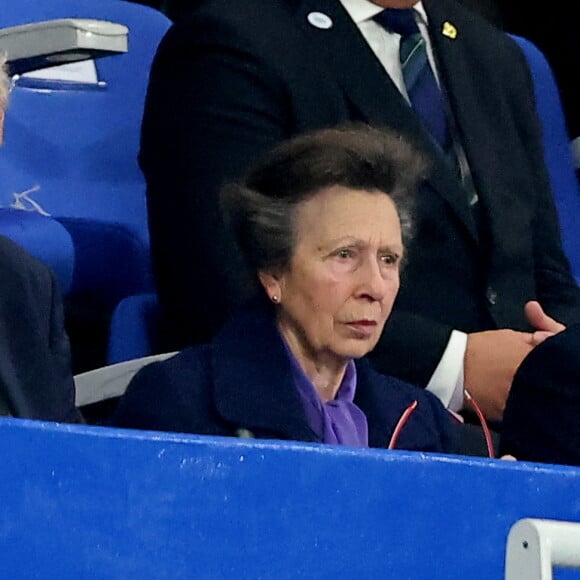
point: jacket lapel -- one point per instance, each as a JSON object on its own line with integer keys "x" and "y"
{"x": 372, "y": 94}
{"x": 379, "y": 404}
{"x": 355, "y": 68}
{"x": 253, "y": 388}
{"x": 384, "y": 399}
{"x": 470, "y": 98}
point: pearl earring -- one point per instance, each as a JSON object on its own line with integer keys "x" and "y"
{"x": 275, "y": 299}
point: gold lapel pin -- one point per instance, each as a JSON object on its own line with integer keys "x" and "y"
{"x": 449, "y": 30}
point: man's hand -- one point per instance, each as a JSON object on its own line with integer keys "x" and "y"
{"x": 491, "y": 360}
{"x": 545, "y": 325}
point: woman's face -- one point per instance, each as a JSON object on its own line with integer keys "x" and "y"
{"x": 343, "y": 277}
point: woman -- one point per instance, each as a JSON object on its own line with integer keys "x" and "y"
{"x": 321, "y": 222}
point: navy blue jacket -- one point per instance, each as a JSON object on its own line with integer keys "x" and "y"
{"x": 242, "y": 380}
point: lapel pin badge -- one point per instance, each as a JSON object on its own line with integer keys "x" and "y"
{"x": 449, "y": 30}
{"x": 320, "y": 20}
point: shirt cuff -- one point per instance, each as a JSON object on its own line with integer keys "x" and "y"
{"x": 446, "y": 383}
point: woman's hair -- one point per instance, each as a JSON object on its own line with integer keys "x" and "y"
{"x": 4, "y": 83}
{"x": 261, "y": 207}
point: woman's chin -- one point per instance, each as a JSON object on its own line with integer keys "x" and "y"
{"x": 357, "y": 348}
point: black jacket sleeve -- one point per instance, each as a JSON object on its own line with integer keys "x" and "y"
{"x": 35, "y": 371}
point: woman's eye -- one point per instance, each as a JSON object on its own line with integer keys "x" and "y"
{"x": 344, "y": 253}
{"x": 390, "y": 259}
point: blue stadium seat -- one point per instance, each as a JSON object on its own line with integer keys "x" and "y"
{"x": 135, "y": 329}
{"x": 45, "y": 239}
{"x": 557, "y": 151}
{"x": 73, "y": 144}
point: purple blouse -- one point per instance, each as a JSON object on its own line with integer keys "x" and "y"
{"x": 340, "y": 421}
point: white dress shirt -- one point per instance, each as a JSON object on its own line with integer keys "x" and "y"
{"x": 447, "y": 380}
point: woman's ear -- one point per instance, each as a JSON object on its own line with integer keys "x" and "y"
{"x": 272, "y": 286}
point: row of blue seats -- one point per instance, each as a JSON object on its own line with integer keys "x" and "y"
{"x": 71, "y": 191}
{"x": 73, "y": 147}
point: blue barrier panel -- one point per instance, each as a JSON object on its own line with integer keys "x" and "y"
{"x": 90, "y": 502}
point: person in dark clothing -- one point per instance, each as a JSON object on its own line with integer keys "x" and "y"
{"x": 321, "y": 222}
{"x": 36, "y": 380}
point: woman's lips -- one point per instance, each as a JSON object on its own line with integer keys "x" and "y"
{"x": 363, "y": 327}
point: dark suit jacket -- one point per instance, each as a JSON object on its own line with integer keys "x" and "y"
{"x": 542, "y": 417}
{"x": 230, "y": 82}
{"x": 35, "y": 374}
{"x": 243, "y": 380}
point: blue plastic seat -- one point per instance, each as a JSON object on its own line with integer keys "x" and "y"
{"x": 47, "y": 240}
{"x": 135, "y": 329}
{"x": 558, "y": 155}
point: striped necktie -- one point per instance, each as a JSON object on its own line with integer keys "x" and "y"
{"x": 426, "y": 97}
{"x": 422, "y": 88}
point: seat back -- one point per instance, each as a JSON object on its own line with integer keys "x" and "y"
{"x": 30, "y": 230}
{"x": 557, "y": 151}
{"x": 135, "y": 329}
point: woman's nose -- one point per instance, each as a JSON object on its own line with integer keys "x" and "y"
{"x": 373, "y": 283}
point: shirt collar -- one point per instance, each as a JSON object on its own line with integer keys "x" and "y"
{"x": 362, "y": 10}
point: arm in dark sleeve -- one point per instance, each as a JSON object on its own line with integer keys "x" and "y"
{"x": 142, "y": 405}
{"x": 212, "y": 107}
{"x": 62, "y": 390}
{"x": 35, "y": 369}
{"x": 410, "y": 347}
{"x": 170, "y": 395}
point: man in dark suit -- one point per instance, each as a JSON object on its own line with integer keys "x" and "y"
{"x": 35, "y": 375}
{"x": 230, "y": 82}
